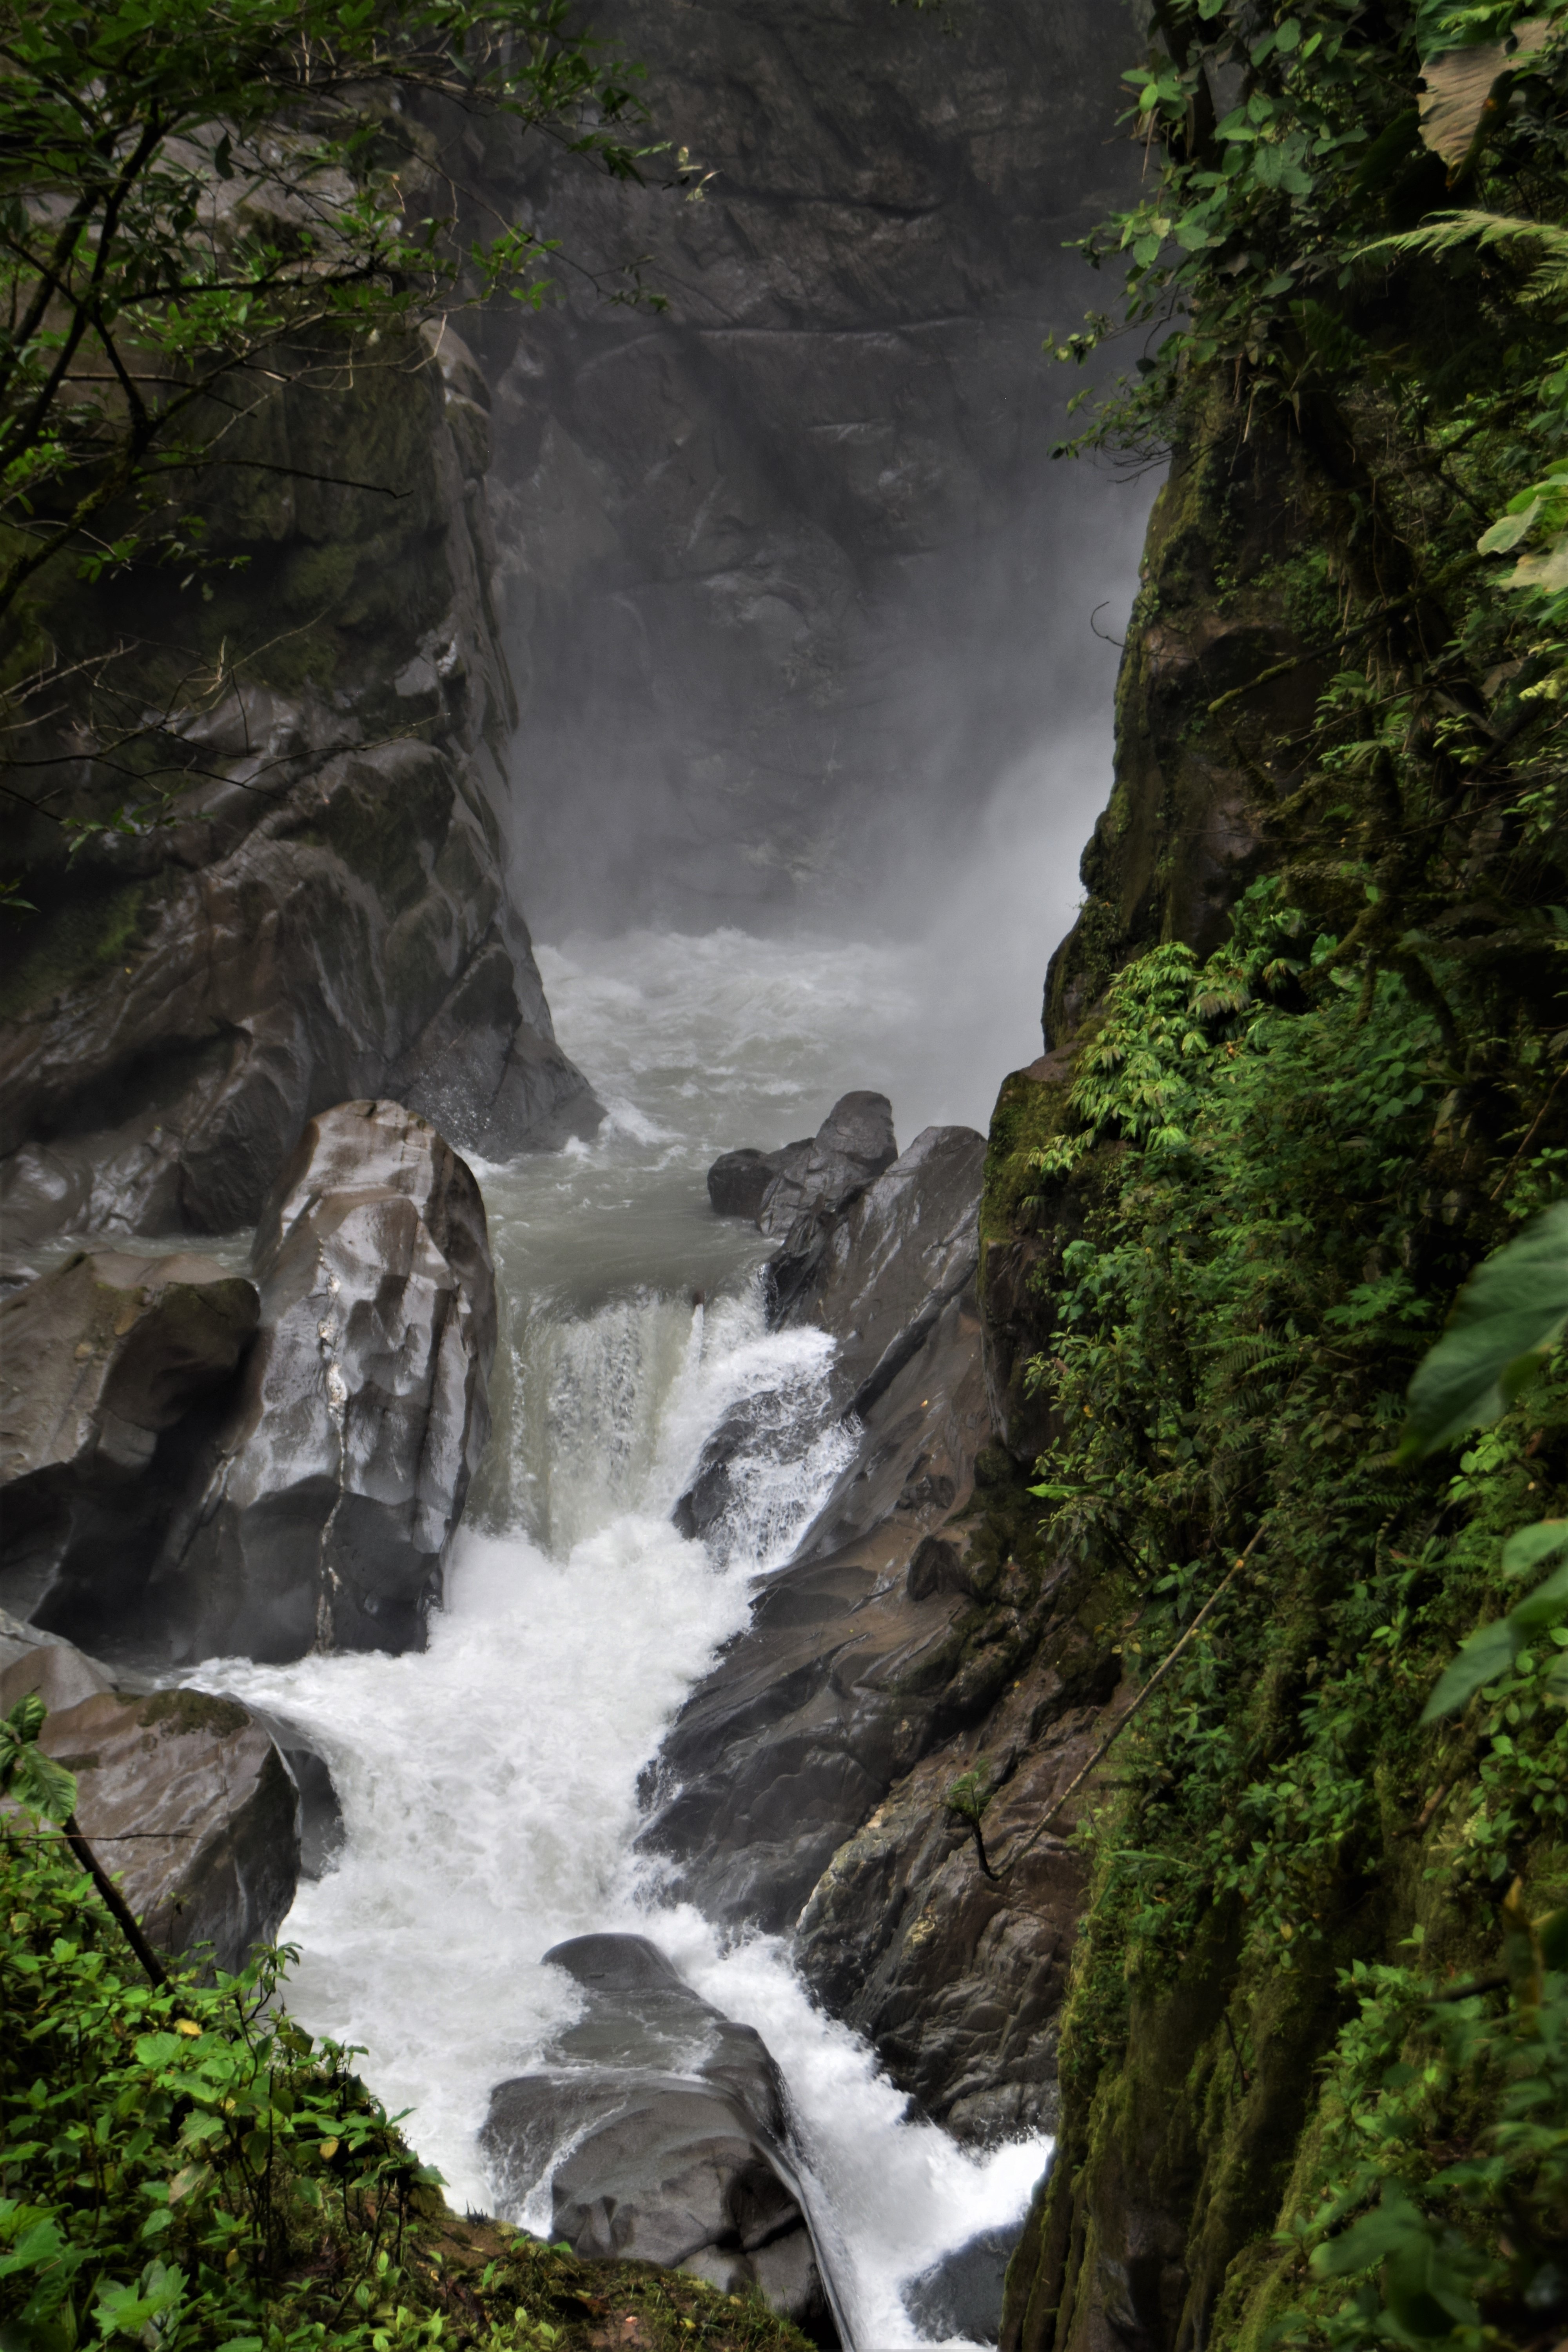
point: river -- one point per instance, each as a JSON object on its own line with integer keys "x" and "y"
{"x": 489, "y": 1785}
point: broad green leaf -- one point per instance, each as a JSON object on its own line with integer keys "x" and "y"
{"x": 1513, "y": 1307}
{"x": 1509, "y": 531}
{"x": 1547, "y": 1605}
{"x": 1373, "y": 2239}
{"x": 1489, "y": 1653}
{"x": 27, "y": 1717}
{"x": 1548, "y": 572}
{"x": 31, "y": 1779}
{"x": 1532, "y": 1545}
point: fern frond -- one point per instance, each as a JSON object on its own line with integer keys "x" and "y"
{"x": 1446, "y": 231}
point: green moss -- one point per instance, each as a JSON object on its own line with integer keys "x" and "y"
{"x": 184, "y": 1711}
{"x": 86, "y": 937}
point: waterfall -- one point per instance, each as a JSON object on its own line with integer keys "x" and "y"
{"x": 489, "y": 1786}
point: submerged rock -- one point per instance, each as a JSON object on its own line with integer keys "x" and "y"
{"x": 184, "y": 1798}
{"x": 673, "y": 2117}
{"x": 341, "y": 1474}
{"x": 111, "y": 1369}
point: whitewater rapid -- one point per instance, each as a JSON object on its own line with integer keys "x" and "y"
{"x": 489, "y": 1786}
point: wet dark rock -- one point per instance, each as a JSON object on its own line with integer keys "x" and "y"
{"x": 959, "y": 1981}
{"x": 802, "y": 1186}
{"x": 841, "y": 1681}
{"x": 341, "y": 1470}
{"x": 817, "y": 1183}
{"x": 673, "y": 2120}
{"x": 879, "y": 1276}
{"x": 185, "y": 1796}
{"x": 962, "y": 2295}
{"x": 738, "y": 1182}
{"x": 111, "y": 1368}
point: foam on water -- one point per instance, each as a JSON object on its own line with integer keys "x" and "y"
{"x": 489, "y": 1786}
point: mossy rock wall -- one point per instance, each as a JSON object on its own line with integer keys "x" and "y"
{"x": 1217, "y": 684}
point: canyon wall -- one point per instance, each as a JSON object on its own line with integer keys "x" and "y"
{"x": 790, "y": 573}
{"x": 334, "y": 911}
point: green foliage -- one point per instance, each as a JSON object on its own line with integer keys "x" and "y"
{"x": 28, "y": 1777}
{"x": 188, "y": 2170}
{"x": 1450, "y": 2110}
{"x": 1513, "y": 1308}
{"x": 200, "y": 197}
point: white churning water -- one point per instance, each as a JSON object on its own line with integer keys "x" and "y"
{"x": 489, "y": 1786}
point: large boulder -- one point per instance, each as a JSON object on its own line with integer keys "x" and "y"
{"x": 111, "y": 1369}
{"x": 806, "y": 1183}
{"x": 341, "y": 1474}
{"x": 879, "y": 1276}
{"x": 184, "y": 1798}
{"x": 816, "y": 1184}
{"x": 672, "y": 2121}
{"x": 330, "y": 913}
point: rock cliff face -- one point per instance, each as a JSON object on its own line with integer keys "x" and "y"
{"x": 784, "y": 562}
{"x": 335, "y": 912}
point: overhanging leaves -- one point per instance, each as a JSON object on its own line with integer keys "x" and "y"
{"x": 1511, "y": 1310}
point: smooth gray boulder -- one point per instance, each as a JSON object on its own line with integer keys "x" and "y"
{"x": 672, "y": 2121}
{"x": 859, "y": 1657}
{"x": 341, "y": 1474}
{"x": 184, "y": 1798}
{"x": 805, "y": 1184}
{"x": 111, "y": 1369}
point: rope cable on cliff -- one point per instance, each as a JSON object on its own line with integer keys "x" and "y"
{"x": 1155, "y": 1679}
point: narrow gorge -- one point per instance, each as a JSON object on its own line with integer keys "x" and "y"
{"x": 740, "y": 1449}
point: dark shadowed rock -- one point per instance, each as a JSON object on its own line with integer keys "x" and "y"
{"x": 185, "y": 1798}
{"x": 958, "y": 1981}
{"x": 738, "y": 1182}
{"x": 962, "y": 2295}
{"x": 672, "y": 2119}
{"x": 342, "y": 1471}
{"x": 879, "y": 1276}
{"x": 332, "y": 913}
{"x": 841, "y": 1681}
{"x": 111, "y": 1368}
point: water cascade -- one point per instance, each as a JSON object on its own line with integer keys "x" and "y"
{"x": 490, "y": 1787}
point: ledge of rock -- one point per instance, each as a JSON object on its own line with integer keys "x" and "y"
{"x": 673, "y": 2117}
{"x": 185, "y": 1796}
{"x": 110, "y": 1369}
{"x": 850, "y": 1670}
{"x": 342, "y": 1471}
